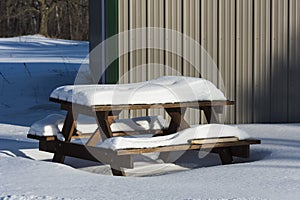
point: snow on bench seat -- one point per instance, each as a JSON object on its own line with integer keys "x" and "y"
{"x": 49, "y": 126}
{"x": 179, "y": 138}
{"x": 52, "y": 125}
{"x": 166, "y": 89}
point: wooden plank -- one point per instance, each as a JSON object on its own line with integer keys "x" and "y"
{"x": 95, "y": 138}
{"x": 44, "y": 138}
{"x": 95, "y": 154}
{"x": 90, "y": 110}
{"x": 185, "y": 147}
{"x": 168, "y": 105}
{"x": 213, "y": 140}
{"x": 152, "y": 132}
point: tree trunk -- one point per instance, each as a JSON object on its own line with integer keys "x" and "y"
{"x": 44, "y": 18}
{"x": 44, "y": 24}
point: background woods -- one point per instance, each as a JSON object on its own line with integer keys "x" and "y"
{"x": 67, "y": 19}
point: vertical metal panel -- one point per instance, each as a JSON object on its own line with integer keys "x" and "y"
{"x": 197, "y": 36}
{"x": 294, "y": 62}
{"x": 141, "y": 40}
{"x": 121, "y": 39}
{"x": 227, "y": 52}
{"x": 187, "y": 24}
{"x": 97, "y": 35}
{"x": 123, "y": 46}
{"x": 132, "y": 39}
{"x": 138, "y": 38}
{"x": 209, "y": 40}
{"x": 187, "y": 51}
{"x": 112, "y": 26}
{"x": 151, "y": 39}
{"x": 159, "y": 22}
{"x": 156, "y": 18}
{"x": 279, "y": 76}
{"x": 173, "y": 21}
{"x": 168, "y": 36}
{"x": 191, "y": 28}
{"x": 262, "y": 60}
{"x": 244, "y": 61}
{"x": 123, "y": 42}
{"x": 177, "y": 41}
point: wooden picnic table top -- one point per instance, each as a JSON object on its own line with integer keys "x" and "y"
{"x": 193, "y": 104}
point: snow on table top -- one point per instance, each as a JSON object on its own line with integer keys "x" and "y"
{"x": 181, "y": 137}
{"x": 166, "y": 89}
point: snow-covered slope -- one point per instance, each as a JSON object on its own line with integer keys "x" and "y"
{"x": 30, "y": 68}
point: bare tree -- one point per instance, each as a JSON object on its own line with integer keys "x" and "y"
{"x": 56, "y": 18}
{"x": 44, "y": 8}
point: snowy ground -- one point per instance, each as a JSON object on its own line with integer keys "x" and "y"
{"x": 37, "y": 67}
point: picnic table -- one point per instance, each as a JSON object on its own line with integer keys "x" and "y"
{"x": 123, "y": 158}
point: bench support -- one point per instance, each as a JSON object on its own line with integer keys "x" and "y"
{"x": 120, "y": 159}
{"x": 68, "y": 130}
{"x": 96, "y": 154}
{"x": 225, "y": 155}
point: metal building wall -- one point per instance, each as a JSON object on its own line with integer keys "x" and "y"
{"x": 254, "y": 43}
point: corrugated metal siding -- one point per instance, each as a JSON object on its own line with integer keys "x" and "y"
{"x": 279, "y": 67}
{"x": 226, "y": 59}
{"x": 294, "y": 61}
{"x": 254, "y": 43}
{"x": 244, "y": 51}
{"x": 262, "y": 61}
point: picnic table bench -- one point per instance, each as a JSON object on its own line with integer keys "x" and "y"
{"x": 118, "y": 159}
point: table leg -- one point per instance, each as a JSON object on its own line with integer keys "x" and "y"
{"x": 225, "y": 155}
{"x": 98, "y": 135}
{"x": 104, "y": 123}
{"x": 211, "y": 115}
{"x": 105, "y": 119}
{"x": 68, "y": 130}
{"x": 177, "y": 123}
{"x": 177, "y": 120}
{"x": 118, "y": 172}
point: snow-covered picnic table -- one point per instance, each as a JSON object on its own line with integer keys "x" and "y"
{"x": 173, "y": 93}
